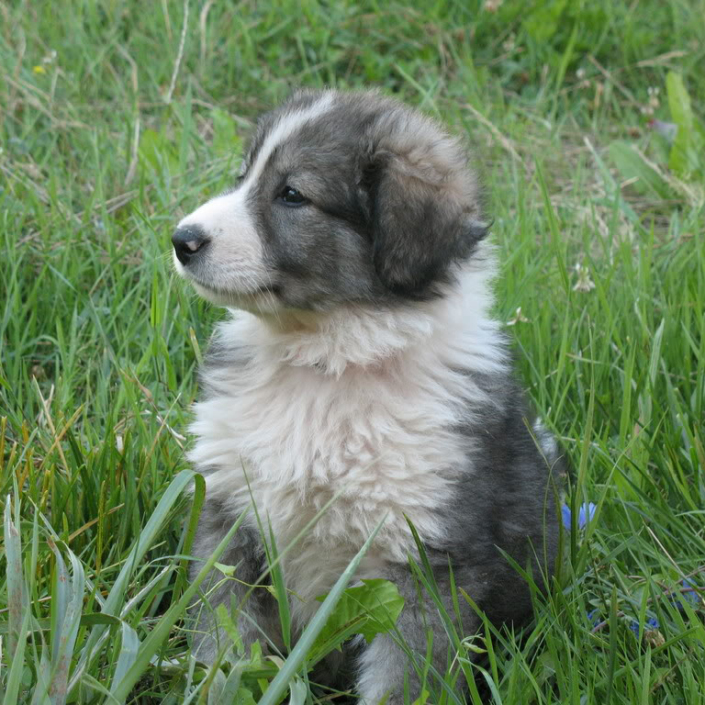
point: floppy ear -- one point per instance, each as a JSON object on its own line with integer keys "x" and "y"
{"x": 424, "y": 210}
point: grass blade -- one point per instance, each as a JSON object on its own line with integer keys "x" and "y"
{"x": 129, "y": 648}
{"x": 69, "y": 631}
{"x": 162, "y": 629}
{"x": 16, "y": 597}
{"x": 117, "y": 594}
{"x": 298, "y": 654}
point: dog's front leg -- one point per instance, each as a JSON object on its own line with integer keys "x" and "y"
{"x": 385, "y": 665}
{"x": 257, "y": 616}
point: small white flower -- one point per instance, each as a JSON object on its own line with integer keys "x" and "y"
{"x": 519, "y": 317}
{"x": 584, "y": 282}
{"x": 653, "y": 101}
{"x": 510, "y": 43}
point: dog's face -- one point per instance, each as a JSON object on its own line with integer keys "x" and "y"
{"x": 342, "y": 198}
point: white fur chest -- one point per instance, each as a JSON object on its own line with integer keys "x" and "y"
{"x": 373, "y": 440}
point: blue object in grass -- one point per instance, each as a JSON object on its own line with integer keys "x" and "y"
{"x": 586, "y": 514}
{"x": 651, "y": 623}
{"x": 688, "y": 593}
{"x": 594, "y": 617}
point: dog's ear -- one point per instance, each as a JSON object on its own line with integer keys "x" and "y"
{"x": 425, "y": 211}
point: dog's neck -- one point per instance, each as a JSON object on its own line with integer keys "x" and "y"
{"x": 363, "y": 336}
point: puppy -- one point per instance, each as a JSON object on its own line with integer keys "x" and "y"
{"x": 361, "y": 362}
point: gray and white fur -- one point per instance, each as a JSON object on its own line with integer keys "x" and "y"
{"x": 361, "y": 359}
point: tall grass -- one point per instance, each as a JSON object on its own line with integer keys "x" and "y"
{"x": 117, "y": 117}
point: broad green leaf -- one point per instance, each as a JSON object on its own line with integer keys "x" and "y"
{"x": 679, "y": 101}
{"x": 244, "y": 697}
{"x": 685, "y": 158}
{"x": 631, "y": 165}
{"x": 369, "y": 609}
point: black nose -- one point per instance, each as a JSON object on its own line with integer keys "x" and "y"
{"x": 188, "y": 242}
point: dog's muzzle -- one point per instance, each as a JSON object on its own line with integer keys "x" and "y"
{"x": 189, "y": 242}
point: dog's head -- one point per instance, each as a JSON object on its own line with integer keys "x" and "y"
{"x": 342, "y": 198}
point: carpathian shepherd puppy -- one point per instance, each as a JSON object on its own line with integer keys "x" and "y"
{"x": 361, "y": 359}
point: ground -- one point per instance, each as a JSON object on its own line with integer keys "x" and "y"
{"x": 119, "y": 117}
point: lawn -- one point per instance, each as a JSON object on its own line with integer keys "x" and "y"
{"x": 586, "y": 120}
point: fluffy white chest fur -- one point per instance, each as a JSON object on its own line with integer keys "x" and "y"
{"x": 363, "y": 404}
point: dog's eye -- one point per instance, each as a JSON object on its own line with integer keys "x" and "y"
{"x": 291, "y": 197}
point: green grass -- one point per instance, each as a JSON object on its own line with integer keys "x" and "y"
{"x": 111, "y": 130}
